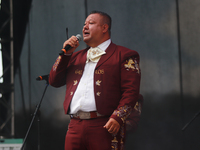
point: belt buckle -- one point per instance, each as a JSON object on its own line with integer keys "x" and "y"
{"x": 84, "y": 115}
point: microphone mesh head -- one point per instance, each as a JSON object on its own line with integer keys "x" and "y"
{"x": 79, "y": 37}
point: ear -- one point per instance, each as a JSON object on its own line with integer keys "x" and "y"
{"x": 105, "y": 28}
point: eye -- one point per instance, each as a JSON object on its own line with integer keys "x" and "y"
{"x": 91, "y": 22}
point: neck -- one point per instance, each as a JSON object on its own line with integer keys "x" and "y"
{"x": 96, "y": 44}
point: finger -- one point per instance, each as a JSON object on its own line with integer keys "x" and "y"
{"x": 116, "y": 131}
{"x": 76, "y": 44}
{"x": 111, "y": 129}
{"x": 107, "y": 125}
{"x": 72, "y": 41}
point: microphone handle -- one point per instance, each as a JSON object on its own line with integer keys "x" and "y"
{"x": 63, "y": 51}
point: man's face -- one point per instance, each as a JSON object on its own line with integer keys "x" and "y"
{"x": 93, "y": 30}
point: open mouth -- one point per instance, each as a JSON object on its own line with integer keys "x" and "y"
{"x": 86, "y": 33}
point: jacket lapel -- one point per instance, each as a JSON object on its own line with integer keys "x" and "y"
{"x": 109, "y": 51}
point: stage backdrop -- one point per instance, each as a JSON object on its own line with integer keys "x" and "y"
{"x": 165, "y": 33}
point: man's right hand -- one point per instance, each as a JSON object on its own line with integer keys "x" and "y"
{"x": 73, "y": 42}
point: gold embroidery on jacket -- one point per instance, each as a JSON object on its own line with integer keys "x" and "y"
{"x": 118, "y": 145}
{"x": 98, "y": 93}
{"x": 99, "y": 71}
{"x": 122, "y": 136}
{"x": 80, "y": 72}
{"x": 123, "y": 112}
{"x": 137, "y": 66}
{"x": 98, "y": 83}
{"x": 138, "y": 107}
{"x": 75, "y": 82}
{"x": 130, "y": 64}
{"x": 114, "y": 143}
{"x": 56, "y": 63}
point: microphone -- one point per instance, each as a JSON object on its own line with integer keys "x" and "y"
{"x": 44, "y": 77}
{"x": 68, "y": 47}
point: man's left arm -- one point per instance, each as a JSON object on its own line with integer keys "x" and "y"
{"x": 130, "y": 85}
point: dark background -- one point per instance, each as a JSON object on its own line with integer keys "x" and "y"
{"x": 165, "y": 33}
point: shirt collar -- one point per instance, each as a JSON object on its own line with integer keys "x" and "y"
{"x": 103, "y": 46}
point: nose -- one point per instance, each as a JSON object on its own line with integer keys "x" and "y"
{"x": 85, "y": 26}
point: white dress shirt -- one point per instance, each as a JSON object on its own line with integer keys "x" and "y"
{"x": 83, "y": 99}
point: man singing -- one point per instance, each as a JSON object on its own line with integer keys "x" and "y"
{"x": 102, "y": 87}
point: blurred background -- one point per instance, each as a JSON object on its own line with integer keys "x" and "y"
{"x": 165, "y": 33}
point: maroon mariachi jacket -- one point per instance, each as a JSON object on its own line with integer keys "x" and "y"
{"x": 116, "y": 80}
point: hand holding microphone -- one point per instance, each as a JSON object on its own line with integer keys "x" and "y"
{"x": 71, "y": 44}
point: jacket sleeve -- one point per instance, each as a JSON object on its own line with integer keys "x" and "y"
{"x": 133, "y": 120}
{"x": 130, "y": 85}
{"x": 57, "y": 76}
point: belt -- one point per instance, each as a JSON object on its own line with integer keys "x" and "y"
{"x": 86, "y": 115}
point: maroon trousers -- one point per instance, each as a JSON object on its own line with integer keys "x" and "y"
{"x": 90, "y": 135}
